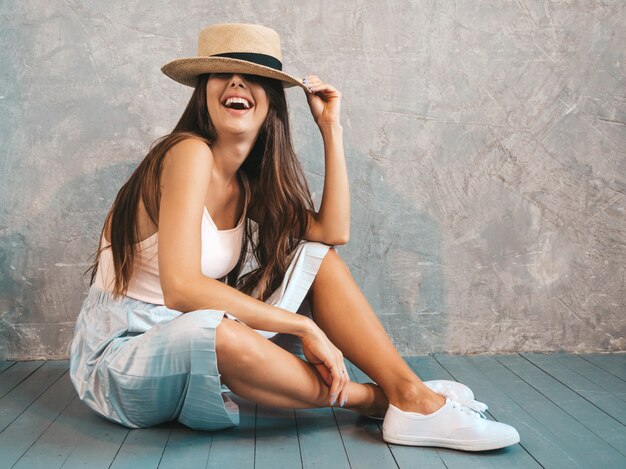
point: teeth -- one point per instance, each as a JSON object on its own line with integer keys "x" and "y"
{"x": 243, "y": 101}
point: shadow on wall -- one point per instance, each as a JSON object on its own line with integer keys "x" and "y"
{"x": 54, "y": 249}
{"x": 41, "y": 263}
{"x": 394, "y": 254}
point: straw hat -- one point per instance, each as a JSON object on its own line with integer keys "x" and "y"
{"x": 233, "y": 48}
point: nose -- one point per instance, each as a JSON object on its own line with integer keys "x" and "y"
{"x": 237, "y": 80}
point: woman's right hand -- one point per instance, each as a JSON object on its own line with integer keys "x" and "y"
{"x": 328, "y": 360}
{"x": 324, "y": 101}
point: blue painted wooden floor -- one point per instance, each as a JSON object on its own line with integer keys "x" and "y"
{"x": 570, "y": 411}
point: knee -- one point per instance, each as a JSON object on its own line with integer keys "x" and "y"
{"x": 234, "y": 340}
{"x": 332, "y": 268}
{"x": 332, "y": 257}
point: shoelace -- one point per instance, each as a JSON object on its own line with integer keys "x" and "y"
{"x": 468, "y": 410}
{"x": 475, "y": 405}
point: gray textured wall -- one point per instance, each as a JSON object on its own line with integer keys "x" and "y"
{"x": 485, "y": 144}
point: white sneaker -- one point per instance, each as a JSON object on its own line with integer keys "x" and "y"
{"x": 452, "y": 426}
{"x": 455, "y": 391}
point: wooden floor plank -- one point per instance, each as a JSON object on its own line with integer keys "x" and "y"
{"x": 27, "y": 428}
{"x": 571, "y": 392}
{"x": 581, "y": 442}
{"x": 512, "y": 456}
{"x": 320, "y": 440}
{"x": 614, "y": 363}
{"x": 13, "y": 403}
{"x": 78, "y": 437}
{"x": 277, "y": 443}
{"x": 362, "y": 438}
{"x": 4, "y": 364}
{"x": 567, "y": 408}
{"x": 234, "y": 447}
{"x": 186, "y": 448}
{"x": 613, "y": 406}
{"x": 427, "y": 368}
{"x": 16, "y": 374}
{"x": 319, "y": 437}
{"x": 405, "y": 456}
{"x": 488, "y": 387}
{"x": 143, "y": 447}
{"x": 594, "y": 373}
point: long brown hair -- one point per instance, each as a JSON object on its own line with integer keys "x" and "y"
{"x": 271, "y": 175}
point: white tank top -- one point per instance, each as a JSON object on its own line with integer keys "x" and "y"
{"x": 220, "y": 253}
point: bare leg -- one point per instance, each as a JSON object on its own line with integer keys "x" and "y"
{"x": 343, "y": 313}
{"x": 259, "y": 370}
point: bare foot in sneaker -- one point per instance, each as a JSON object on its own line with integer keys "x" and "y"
{"x": 421, "y": 400}
{"x": 411, "y": 401}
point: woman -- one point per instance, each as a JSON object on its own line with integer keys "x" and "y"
{"x": 222, "y": 192}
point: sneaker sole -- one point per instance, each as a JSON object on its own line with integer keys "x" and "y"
{"x": 481, "y": 445}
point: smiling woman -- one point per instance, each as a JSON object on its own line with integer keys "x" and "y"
{"x": 211, "y": 246}
{"x": 237, "y": 95}
{"x": 222, "y": 191}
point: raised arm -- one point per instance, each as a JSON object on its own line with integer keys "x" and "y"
{"x": 331, "y": 225}
{"x": 185, "y": 180}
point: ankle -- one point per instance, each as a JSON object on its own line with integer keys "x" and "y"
{"x": 417, "y": 398}
{"x": 376, "y": 403}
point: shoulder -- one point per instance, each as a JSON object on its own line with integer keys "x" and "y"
{"x": 187, "y": 166}
{"x": 191, "y": 153}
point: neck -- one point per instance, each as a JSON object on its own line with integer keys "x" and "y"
{"x": 228, "y": 156}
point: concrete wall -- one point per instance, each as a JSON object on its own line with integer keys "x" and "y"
{"x": 485, "y": 145}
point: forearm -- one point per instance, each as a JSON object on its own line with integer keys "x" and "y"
{"x": 203, "y": 292}
{"x": 334, "y": 212}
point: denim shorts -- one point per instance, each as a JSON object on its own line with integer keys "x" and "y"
{"x": 141, "y": 364}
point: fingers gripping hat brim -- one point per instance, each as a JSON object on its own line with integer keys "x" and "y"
{"x": 187, "y": 70}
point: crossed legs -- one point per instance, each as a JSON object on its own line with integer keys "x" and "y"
{"x": 261, "y": 371}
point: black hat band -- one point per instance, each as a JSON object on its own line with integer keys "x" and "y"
{"x": 259, "y": 59}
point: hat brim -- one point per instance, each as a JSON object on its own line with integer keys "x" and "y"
{"x": 186, "y": 70}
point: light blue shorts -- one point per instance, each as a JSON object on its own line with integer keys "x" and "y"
{"x": 141, "y": 364}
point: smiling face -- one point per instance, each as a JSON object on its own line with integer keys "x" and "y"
{"x": 242, "y": 116}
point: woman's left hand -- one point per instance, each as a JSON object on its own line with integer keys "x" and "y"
{"x": 319, "y": 366}
{"x": 324, "y": 101}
